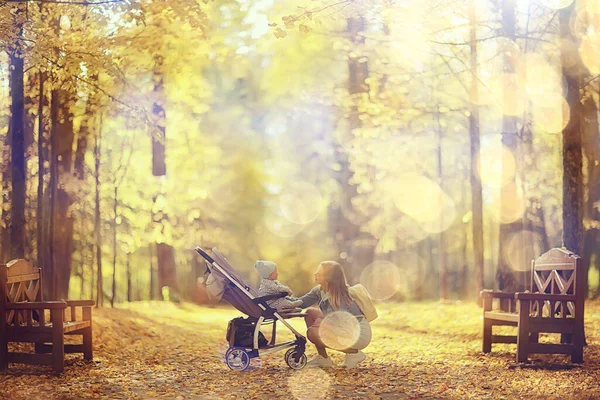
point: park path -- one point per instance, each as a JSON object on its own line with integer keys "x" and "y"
{"x": 419, "y": 351}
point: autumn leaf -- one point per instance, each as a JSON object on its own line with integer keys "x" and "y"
{"x": 280, "y": 33}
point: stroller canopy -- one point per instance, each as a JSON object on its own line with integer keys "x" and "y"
{"x": 223, "y": 282}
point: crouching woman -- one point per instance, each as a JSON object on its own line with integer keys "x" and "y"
{"x": 331, "y": 295}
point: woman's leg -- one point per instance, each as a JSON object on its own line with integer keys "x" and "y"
{"x": 313, "y": 320}
{"x": 312, "y": 314}
{"x": 313, "y": 335}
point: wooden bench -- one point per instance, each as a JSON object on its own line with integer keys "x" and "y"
{"x": 555, "y": 305}
{"x": 25, "y": 317}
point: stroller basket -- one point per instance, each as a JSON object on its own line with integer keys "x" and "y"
{"x": 245, "y": 339}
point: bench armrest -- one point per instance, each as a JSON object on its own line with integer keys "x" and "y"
{"x": 80, "y": 303}
{"x": 37, "y": 305}
{"x": 497, "y": 294}
{"x": 544, "y": 297}
{"x": 268, "y": 297}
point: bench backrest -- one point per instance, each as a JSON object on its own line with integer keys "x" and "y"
{"x": 20, "y": 281}
{"x": 558, "y": 271}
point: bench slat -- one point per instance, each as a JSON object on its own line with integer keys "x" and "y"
{"x": 544, "y": 348}
{"x": 504, "y": 339}
{"x": 24, "y": 358}
{"x": 22, "y": 278}
{"x": 551, "y": 325}
{"x": 69, "y": 348}
{"x": 47, "y": 328}
{"x": 502, "y": 316}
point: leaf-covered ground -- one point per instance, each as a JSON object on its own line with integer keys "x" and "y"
{"x": 419, "y": 351}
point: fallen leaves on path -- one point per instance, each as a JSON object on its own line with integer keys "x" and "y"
{"x": 157, "y": 350}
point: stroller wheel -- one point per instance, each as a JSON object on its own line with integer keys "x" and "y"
{"x": 290, "y": 358}
{"x": 237, "y": 359}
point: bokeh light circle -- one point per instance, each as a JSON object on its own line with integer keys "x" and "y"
{"x": 381, "y": 279}
{"x": 310, "y": 384}
{"x": 409, "y": 231}
{"x": 280, "y": 226}
{"x": 541, "y": 79}
{"x": 419, "y": 197}
{"x": 339, "y": 330}
{"x": 507, "y": 206}
{"x": 590, "y": 55}
{"x": 557, "y": 4}
{"x": 520, "y": 248}
{"x": 553, "y": 116}
{"x": 301, "y": 203}
{"x": 496, "y": 165}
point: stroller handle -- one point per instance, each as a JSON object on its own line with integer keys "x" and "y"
{"x": 203, "y": 254}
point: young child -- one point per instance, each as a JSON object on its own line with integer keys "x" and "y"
{"x": 270, "y": 285}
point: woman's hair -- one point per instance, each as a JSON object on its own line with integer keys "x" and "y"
{"x": 336, "y": 284}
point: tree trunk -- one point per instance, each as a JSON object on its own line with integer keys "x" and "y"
{"x": 17, "y": 137}
{"x": 5, "y": 189}
{"x": 572, "y": 153}
{"x": 98, "y": 236}
{"x": 508, "y": 279}
{"x": 129, "y": 285}
{"x": 63, "y": 156}
{"x": 442, "y": 250}
{"x": 592, "y": 152}
{"x": 167, "y": 272}
{"x": 476, "y": 189}
{"x": 114, "y": 275}
{"x": 51, "y": 264}
{"x": 152, "y": 273}
{"x": 41, "y": 242}
{"x": 355, "y": 249}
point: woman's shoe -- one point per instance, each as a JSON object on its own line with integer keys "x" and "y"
{"x": 353, "y": 359}
{"x": 319, "y": 361}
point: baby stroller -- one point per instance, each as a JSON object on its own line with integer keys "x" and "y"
{"x": 246, "y": 341}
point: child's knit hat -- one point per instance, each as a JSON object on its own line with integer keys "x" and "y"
{"x": 265, "y": 268}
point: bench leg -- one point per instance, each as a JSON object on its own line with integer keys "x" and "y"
{"x": 534, "y": 337}
{"x": 577, "y": 355}
{"x": 3, "y": 355}
{"x": 39, "y": 348}
{"x": 487, "y": 336}
{"x": 87, "y": 344}
{"x": 58, "y": 341}
{"x": 523, "y": 332}
{"x": 87, "y": 335}
{"x": 566, "y": 338}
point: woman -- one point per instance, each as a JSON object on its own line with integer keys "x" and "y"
{"x": 332, "y": 295}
